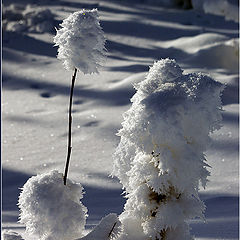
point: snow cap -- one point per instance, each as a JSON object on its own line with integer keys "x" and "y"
{"x": 171, "y": 116}
{"x": 50, "y": 210}
{"x": 81, "y": 41}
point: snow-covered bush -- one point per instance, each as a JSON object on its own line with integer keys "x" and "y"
{"x": 81, "y": 41}
{"x": 160, "y": 159}
{"x": 29, "y": 18}
{"x": 51, "y": 210}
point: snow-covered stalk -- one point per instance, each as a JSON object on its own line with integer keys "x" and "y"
{"x": 108, "y": 228}
{"x": 69, "y": 149}
{"x": 160, "y": 159}
{"x": 50, "y": 209}
{"x": 81, "y": 47}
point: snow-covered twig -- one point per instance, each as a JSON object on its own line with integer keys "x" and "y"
{"x": 69, "y": 128}
{"x": 81, "y": 47}
{"x": 107, "y": 229}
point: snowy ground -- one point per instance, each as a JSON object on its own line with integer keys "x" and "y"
{"x": 36, "y": 90}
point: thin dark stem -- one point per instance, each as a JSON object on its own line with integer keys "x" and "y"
{"x": 109, "y": 235}
{"x": 69, "y": 128}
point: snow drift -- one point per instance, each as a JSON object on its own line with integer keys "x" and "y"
{"x": 218, "y": 7}
{"x": 30, "y": 18}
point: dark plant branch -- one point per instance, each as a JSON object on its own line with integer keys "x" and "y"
{"x": 69, "y": 128}
{"x": 110, "y": 233}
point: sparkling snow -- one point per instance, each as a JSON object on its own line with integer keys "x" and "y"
{"x": 35, "y": 101}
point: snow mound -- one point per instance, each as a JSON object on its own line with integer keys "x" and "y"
{"x": 219, "y": 55}
{"x": 218, "y": 7}
{"x": 81, "y": 41}
{"x": 108, "y": 228}
{"x": 10, "y": 235}
{"x": 209, "y": 50}
{"x": 51, "y": 210}
{"x": 195, "y": 43}
{"x": 20, "y": 18}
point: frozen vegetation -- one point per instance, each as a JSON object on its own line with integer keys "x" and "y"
{"x": 160, "y": 159}
{"x": 81, "y": 42}
{"x": 167, "y": 139}
{"x": 51, "y": 210}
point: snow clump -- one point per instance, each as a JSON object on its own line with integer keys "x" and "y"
{"x": 51, "y": 210}
{"x": 30, "y": 18}
{"x": 160, "y": 158}
{"x": 10, "y": 235}
{"x": 81, "y": 41}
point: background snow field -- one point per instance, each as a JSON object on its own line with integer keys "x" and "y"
{"x": 36, "y": 93}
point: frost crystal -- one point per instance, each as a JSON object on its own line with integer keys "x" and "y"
{"x": 160, "y": 159}
{"x": 81, "y": 41}
{"x": 51, "y": 210}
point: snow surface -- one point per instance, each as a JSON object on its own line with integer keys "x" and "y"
{"x": 29, "y": 18}
{"x": 35, "y": 100}
{"x": 108, "y": 228}
{"x": 219, "y": 7}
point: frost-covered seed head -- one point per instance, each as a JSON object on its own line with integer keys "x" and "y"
{"x": 81, "y": 42}
{"x": 50, "y": 210}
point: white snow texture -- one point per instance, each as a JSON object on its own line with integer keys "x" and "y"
{"x": 218, "y": 7}
{"x": 50, "y": 210}
{"x": 160, "y": 158}
{"x": 81, "y": 41}
{"x": 108, "y": 228}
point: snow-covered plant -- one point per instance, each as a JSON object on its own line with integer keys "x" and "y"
{"x": 160, "y": 159}
{"x": 81, "y": 47}
{"x": 81, "y": 41}
{"x": 49, "y": 203}
{"x": 50, "y": 210}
